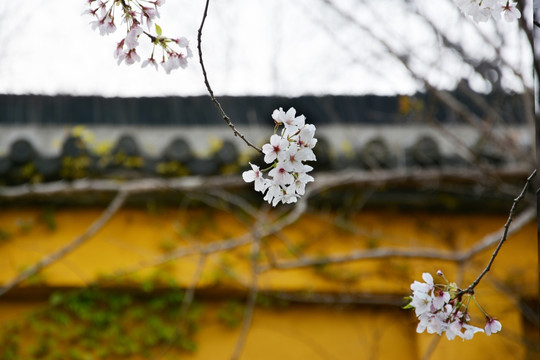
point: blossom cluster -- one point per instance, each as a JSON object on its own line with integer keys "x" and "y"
{"x": 482, "y": 10}
{"x": 441, "y": 308}
{"x": 135, "y": 14}
{"x": 286, "y": 153}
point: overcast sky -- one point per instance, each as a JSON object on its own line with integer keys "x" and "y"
{"x": 255, "y": 47}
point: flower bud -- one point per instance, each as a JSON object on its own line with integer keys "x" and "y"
{"x": 440, "y": 273}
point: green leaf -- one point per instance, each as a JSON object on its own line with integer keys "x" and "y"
{"x": 408, "y": 305}
{"x": 158, "y": 30}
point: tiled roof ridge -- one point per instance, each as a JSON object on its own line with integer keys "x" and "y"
{"x": 198, "y": 110}
{"x": 125, "y": 158}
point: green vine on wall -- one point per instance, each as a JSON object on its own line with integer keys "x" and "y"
{"x": 99, "y": 324}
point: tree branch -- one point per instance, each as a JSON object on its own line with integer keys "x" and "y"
{"x": 254, "y": 288}
{"x": 383, "y": 253}
{"x": 470, "y": 288}
{"x": 325, "y": 180}
{"x": 209, "y": 88}
{"x": 60, "y": 253}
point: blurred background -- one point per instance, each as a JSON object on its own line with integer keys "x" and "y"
{"x": 126, "y": 231}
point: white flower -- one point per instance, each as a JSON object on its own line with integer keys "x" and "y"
{"x": 182, "y": 61}
{"x": 281, "y": 175}
{"x": 289, "y": 119}
{"x": 278, "y": 116}
{"x": 132, "y": 37}
{"x": 437, "y": 323}
{"x": 289, "y": 173}
{"x": 306, "y": 137}
{"x": 418, "y": 287}
{"x": 256, "y": 176}
{"x": 293, "y": 158}
{"x": 492, "y": 326}
{"x": 470, "y": 331}
{"x": 510, "y": 12}
{"x": 170, "y": 64}
{"x": 274, "y": 194}
{"x": 105, "y": 25}
{"x": 150, "y": 61}
{"x": 290, "y": 195}
{"x": 482, "y": 10}
{"x": 480, "y": 13}
{"x": 453, "y": 330}
{"x": 423, "y": 323}
{"x": 119, "y": 51}
{"x": 441, "y": 309}
{"x": 440, "y": 298}
{"x": 421, "y": 302}
{"x": 182, "y": 42}
{"x": 275, "y": 148}
{"x": 149, "y": 13}
{"x": 132, "y": 57}
{"x": 108, "y": 27}
{"x": 300, "y": 182}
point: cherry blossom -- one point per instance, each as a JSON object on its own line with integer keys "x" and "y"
{"x": 281, "y": 175}
{"x": 289, "y": 119}
{"x": 492, "y": 326}
{"x": 150, "y": 61}
{"x": 483, "y": 10}
{"x": 286, "y": 153}
{"x": 132, "y": 37}
{"x": 510, "y": 12}
{"x": 132, "y": 57}
{"x": 255, "y": 175}
{"x": 135, "y": 13}
{"x": 443, "y": 309}
{"x": 275, "y": 148}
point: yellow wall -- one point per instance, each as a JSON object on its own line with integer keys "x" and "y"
{"x": 296, "y": 331}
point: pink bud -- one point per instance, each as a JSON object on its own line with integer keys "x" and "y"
{"x": 440, "y": 273}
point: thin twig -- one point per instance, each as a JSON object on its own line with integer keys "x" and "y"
{"x": 254, "y": 288}
{"x": 209, "y": 88}
{"x": 489, "y": 240}
{"x": 384, "y": 253}
{"x": 60, "y": 253}
{"x": 470, "y": 288}
{"x": 325, "y": 180}
{"x": 445, "y": 97}
{"x": 190, "y": 293}
{"x": 186, "y": 302}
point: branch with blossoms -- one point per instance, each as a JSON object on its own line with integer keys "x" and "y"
{"x": 483, "y": 10}
{"x": 135, "y": 14}
{"x": 443, "y": 308}
{"x": 470, "y": 288}
{"x": 286, "y": 153}
{"x": 448, "y": 99}
{"x": 225, "y": 117}
{"x": 440, "y": 307}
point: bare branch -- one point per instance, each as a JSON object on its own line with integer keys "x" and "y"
{"x": 444, "y": 96}
{"x": 187, "y": 300}
{"x": 209, "y": 88}
{"x": 470, "y": 288}
{"x": 254, "y": 288}
{"x": 382, "y": 253}
{"x": 214, "y": 247}
{"x": 489, "y": 240}
{"x": 355, "y": 255}
{"x": 324, "y": 181}
{"x": 60, "y": 253}
{"x": 188, "y": 183}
